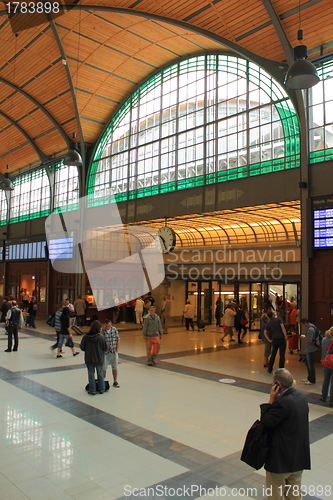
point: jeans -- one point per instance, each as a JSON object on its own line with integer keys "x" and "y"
{"x": 91, "y": 377}
{"x": 326, "y": 383}
{"x": 32, "y": 320}
{"x": 188, "y": 322}
{"x": 278, "y": 344}
{"x": 309, "y": 362}
{"x": 13, "y": 332}
{"x": 80, "y": 320}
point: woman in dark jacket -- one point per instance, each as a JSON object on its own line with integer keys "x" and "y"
{"x": 94, "y": 346}
{"x": 240, "y": 324}
{"x": 66, "y": 333}
{"x": 218, "y": 311}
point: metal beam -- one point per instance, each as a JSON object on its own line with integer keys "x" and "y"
{"x": 71, "y": 86}
{"x": 287, "y": 48}
{"x": 42, "y": 156}
{"x": 42, "y": 108}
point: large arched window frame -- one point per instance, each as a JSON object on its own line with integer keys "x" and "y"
{"x": 320, "y": 115}
{"x": 66, "y": 187}
{"x": 31, "y": 196}
{"x": 3, "y": 208}
{"x": 205, "y": 119}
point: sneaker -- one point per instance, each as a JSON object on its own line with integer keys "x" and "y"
{"x": 232, "y": 340}
{"x": 92, "y": 393}
{"x": 149, "y": 362}
{"x": 59, "y": 356}
{"x": 101, "y": 392}
{"x": 308, "y": 383}
{"x": 304, "y": 380}
{"x": 76, "y": 353}
{"x": 115, "y": 384}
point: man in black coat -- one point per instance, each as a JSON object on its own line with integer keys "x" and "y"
{"x": 286, "y": 416}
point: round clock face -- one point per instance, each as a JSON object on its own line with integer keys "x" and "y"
{"x": 166, "y": 239}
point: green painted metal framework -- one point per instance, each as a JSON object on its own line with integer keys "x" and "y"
{"x": 31, "y": 196}
{"x": 320, "y": 116}
{"x": 202, "y": 120}
{"x": 66, "y": 188}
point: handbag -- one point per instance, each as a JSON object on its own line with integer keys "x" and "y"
{"x": 256, "y": 446}
{"x": 327, "y": 361}
{"x": 244, "y": 321}
{"x": 69, "y": 342}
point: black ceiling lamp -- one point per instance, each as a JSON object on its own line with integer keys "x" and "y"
{"x": 302, "y": 74}
{"x": 6, "y": 184}
{"x": 73, "y": 156}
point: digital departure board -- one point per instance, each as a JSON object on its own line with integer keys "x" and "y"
{"x": 323, "y": 222}
{"x": 26, "y": 251}
{"x": 61, "y": 248}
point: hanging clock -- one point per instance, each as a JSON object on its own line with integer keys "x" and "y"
{"x": 166, "y": 239}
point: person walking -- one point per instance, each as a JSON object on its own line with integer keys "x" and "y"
{"x": 139, "y": 304}
{"x": 189, "y": 313}
{"x": 152, "y": 333}
{"x": 286, "y": 418}
{"x": 80, "y": 307}
{"x": 57, "y": 325}
{"x": 310, "y": 350}
{"x": 276, "y": 334}
{"x": 6, "y": 305}
{"x": 112, "y": 348}
{"x": 165, "y": 314}
{"x": 229, "y": 321}
{"x": 65, "y": 333}
{"x": 94, "y": 346}
{"x": 14, "y": 323}
{"x": 32, "y": 311}
{"x": 326, "y": 345}
{"x": 218, "y": 311}
{"x": 72, "y": 314}
{"x": 240, "y": 323}
{"x": 267, "y": 344}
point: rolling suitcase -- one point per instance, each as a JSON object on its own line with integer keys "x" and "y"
{"x": 77, "y": 330}
{"x": 200, "y": 324}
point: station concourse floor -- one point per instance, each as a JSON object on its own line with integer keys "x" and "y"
{"x": 169, "y": 426}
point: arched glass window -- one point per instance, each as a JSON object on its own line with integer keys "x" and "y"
{"x": 320, "y": 107}
{"x": 3, "y": 208}
{"x": 31, "y": 196}
{"x": 66, "y": 187}
{"x": 206, "y": 119}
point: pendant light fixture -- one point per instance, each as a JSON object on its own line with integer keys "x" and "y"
{"x": 6, "y": 184}
{"x": 302, "y": 74}
{"x": 73, "y": 156}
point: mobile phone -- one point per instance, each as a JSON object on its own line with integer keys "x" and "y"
{"x": 276, "y": 386}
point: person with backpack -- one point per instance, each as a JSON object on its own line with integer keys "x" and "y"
{"x": 14, "y": 322}
{"x": 312, "y": 338}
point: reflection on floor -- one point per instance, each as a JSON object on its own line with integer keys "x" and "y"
{"x": 167, "y": 427}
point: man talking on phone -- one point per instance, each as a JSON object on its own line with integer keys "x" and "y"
{"x": 286, "y": 417}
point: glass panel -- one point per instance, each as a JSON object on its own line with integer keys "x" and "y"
{"x": 162, "y": 126}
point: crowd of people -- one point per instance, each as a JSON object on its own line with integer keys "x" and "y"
{"x": 274, "y": 336}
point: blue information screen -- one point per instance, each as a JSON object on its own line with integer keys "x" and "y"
{"x": 61, "y": 248}
{"x": 323, "y": 222}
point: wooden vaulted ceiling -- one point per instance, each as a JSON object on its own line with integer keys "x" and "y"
{"x": 69, "y": 73}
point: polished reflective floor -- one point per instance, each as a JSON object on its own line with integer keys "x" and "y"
{"x": 175, "y": 429}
